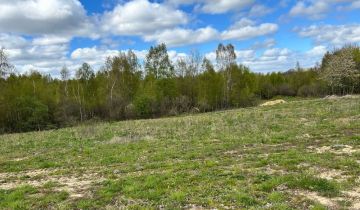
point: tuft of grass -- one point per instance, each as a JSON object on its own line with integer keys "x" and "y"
{"x": 323, "y": 186}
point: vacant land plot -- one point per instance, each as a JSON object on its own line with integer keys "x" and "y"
{"x": 302, "y": 154}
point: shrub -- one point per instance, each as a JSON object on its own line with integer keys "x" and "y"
{"x": 130, "y": 111}
{"x": 144, "y": 106}
{"x": 312, "y": 90}
{"x": 286, "y": 90}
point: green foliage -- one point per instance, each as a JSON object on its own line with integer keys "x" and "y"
{"x": 341, "y": 70}
{"x": 144, "y": 106}
{"x": 123, "y": 89}
{"x": 158, "y": 63}
{"x": 28, "y": 114}
{"x": 323, "y": 186}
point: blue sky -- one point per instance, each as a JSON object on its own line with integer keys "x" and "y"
{"x": 268, "y": 35}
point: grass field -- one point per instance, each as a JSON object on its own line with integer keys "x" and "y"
{"x": 304, "y": 154}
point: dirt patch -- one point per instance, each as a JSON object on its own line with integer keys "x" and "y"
{"x": 231, "y": 152}
{"x": 193, "y": 207}
{"x": 354, "y": 195}
{"x": 274, "y": 170}
{"x": 127, "y": 139}
{"x": 271, "y": 103}
{"x": 304, "y": 136}
{"x": 332, "y": 174}
{"x": 76, "y": 186}
{"x": 331, "y": 97}
{"x": 330, "y": 203}
{"x": 347, "y": 120}
{"x": 29, "y": 174}
{"x": 336, "y": 149}
{"x": 19, "y": 159}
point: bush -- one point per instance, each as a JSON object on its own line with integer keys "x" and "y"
{"x": 130, "y": 111}
{"x": 312, "y": 90}
{"x": 182, "y": 104}
{"x": 144, "y": 106}
{"x": 286, "y": 90}
{"x": 267, "y": 91}
{"x": 30, "y": 114}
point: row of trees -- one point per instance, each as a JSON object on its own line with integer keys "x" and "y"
{"x": 125, "y": 89}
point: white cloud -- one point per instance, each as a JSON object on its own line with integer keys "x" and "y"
{"x": 96, "y": 56}
{"x": 317, "y": 51}
{"x": 92, "y": 55}
{"x": 35, "y": 17}
{"x": 259, "y": 10}
{"x": 284, "y": 59}
{"x": 51, "y": 40}
{"x": 276, "y": 52}
{"x": 276, "y": 59}
{"x": 246, "y": 29}
{"x": 313, "y": 10}
{"x": 223, "y": 6}
{"x": 214, "y": 6}
{"x": 175, "y": 56}
{"x": 46, "y": 54}
{"x": 336, "y": 35}
{"x": 141, "y": 17}
{"x": 180, "y": 36}
{"x": 353, "y": 5}
{"x": 267, "y": 43}
{"x": 318, "y": 9}
{"x": 12, "y": 41}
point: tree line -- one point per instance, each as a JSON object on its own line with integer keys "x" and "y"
{"x": 125, "y": 89}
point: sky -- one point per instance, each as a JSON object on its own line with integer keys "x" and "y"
{"x": 268, "y": 35}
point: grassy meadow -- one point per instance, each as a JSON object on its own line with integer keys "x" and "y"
{"x": 303, "y": 154}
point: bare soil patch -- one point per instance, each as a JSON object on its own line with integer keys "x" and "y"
{"x": 331, "y": 97}
{"x": 336, "y": 149}
{"x": 354, "y": 196}
{"x": 127, "y": 139}
{"x": 271, "y": 103}
{"x": 76, "y": 186}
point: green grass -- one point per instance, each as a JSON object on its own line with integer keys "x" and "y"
{"x": 253, "y": 158}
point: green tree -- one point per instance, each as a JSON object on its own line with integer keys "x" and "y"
{"x": 339, "y": 70}
{"x": 158, "y": 64}
{"x": 5, "y": 66}
{"x": 226, "y": 58}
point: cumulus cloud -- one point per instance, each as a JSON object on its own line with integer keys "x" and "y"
{"x": 37, "y": 34}
{"x": 318, "y": 9}
{"x": 259, "y": 10}
{"x": 141, "y": 17}
{"x": 353, "y": 5}
{"x": 336, "y": 35}
{"x": 180, "y": 36}
{"x": 51, "y": 40}
{"x": 317, "y": 51}
{"x": 276, "y": 59}
{"x": 282, "y": 59}
{"x": 267, "y": 43}
{"x": 246, "y": 29}
{"x": 241, "y": 55}
{"x": 28, "y": 54}
{"x": 223, "y": 6}
{"x": 96, "y": 56}
{"x": 314, "y": 10}
{"x": 35, "y": 17}
{"x": 214, "y": 6}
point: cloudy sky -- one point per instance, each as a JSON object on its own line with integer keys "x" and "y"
{"x": 268, "y": 35}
